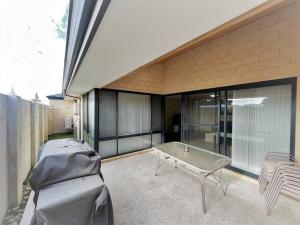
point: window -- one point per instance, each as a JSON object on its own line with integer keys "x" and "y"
{"x": 128, "y": 122}
{"x": 107, "y": 113}
{"x": 134, "y": 113}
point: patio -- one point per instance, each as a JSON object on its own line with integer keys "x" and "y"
{"x": 174, "y": 196}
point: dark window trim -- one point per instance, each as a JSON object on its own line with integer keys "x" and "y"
{"x": 163, "y": 105}
{"x": 242, "y": 172}
{"x": 151, "y": 127}
{"x": 96, "y": 126}
{"x": 288, "y": 81}
{"x": 225, "y": 123}
{"x": 117, "y": 136}
{"x": 127, "y": 136}
{"x": 87, "y": 113}
{"x": 117, "y": 122}
{"x": 285, "y": 81}
{"x": 293, "y": 116}
{"x": 125, "y": 153}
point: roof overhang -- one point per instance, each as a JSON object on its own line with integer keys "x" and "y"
{"x": 136, "y": 33}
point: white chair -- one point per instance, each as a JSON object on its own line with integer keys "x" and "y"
{"x": 269, "y": 164}
{"x": 285, "y": 179}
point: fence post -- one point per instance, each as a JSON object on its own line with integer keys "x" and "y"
{"x": 3, "y": 157}
{"x": 46, "y": 122}
{"x": 14, "y": 149}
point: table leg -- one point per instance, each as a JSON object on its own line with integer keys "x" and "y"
{"x": 175, "y": 163}
{"x": 220, "y": 181}
{"x": 203, "y": 194}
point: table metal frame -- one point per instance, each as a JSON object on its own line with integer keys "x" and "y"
{"x": 203, "y": 173}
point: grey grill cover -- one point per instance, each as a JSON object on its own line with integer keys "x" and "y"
{"x": 66, "y": 181}
{"x": 80, "y": 201}
{"x": 62, "y": 160}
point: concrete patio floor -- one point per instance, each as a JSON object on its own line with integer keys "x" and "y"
{"x": 174, "y": 196}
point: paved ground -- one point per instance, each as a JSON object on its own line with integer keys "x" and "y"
{"x": 14, "y": 215}
{"x": 174, "y": 197}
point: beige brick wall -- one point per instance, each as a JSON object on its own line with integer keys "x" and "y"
{"x": 266, "y": 49}
{"x": 149, "y": 80}
{"x": 56, "y": 116}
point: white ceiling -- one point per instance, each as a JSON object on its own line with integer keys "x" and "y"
{"x": 135, "y": 32}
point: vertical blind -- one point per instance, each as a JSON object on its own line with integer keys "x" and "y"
{"x": 261, "y": 123}
{"x": 131, "y": 144}
{"x": 107, "y": 113}
{"x": 134, "y": 113}
{"x": 122, "y": 114}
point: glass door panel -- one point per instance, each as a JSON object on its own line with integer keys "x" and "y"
{"x": 202, "y": 136}
{"x": 261, "y": 120}
{"x": 200, "y": 125}
{"x": 244, "y": 124}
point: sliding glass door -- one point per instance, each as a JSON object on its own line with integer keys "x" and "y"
{"x": 200, "y": 120}
{"x": 261, "y": 121}
{"x": 242, "y": 123}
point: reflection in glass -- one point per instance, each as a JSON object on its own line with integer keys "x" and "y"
{"x": 200, "y": 121}
{"x": 156, "y": 139}
{"x": 201, "y": 136}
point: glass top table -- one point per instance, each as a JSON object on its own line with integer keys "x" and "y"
{"x": 206, "y": 162}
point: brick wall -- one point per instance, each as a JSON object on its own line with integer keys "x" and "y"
{"x": 148, "y": 80}
{"x": 266, "y": 49}
{"x": 56, "y": 115}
